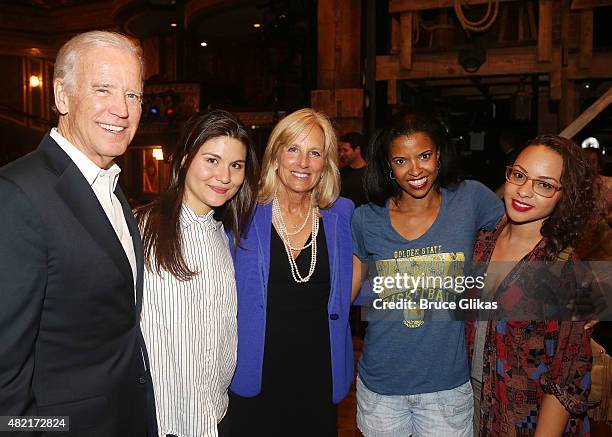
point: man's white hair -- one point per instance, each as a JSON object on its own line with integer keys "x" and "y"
{"x": 68, "y": 56}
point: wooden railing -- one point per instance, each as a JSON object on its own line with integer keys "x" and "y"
{"x": 585, "y": 118}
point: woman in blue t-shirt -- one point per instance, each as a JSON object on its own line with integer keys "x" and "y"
{"x": 422, "y": 222}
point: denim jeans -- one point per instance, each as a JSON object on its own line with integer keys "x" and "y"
{"x": 446, "y": 413}
{"x": 477, "y": 388}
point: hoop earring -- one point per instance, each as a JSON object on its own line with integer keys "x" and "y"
{"x": 439, "y": 164}
{"x": 391, "y": 174}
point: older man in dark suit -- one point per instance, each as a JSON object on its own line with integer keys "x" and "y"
{"x": 71, "y": 260}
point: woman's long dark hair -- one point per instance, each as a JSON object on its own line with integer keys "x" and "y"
{"x": 378, "y": 184}
{"x": 159, "y": 221}
{"x": 579, "y": 203}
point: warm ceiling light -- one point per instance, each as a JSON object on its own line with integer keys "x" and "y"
{"x": 203, "y": 43}
{"x": 35, "y": 81}
{"x": 256, "y": 25}
{"x": 173, "y": 24}
{"x": 158, "y": 154}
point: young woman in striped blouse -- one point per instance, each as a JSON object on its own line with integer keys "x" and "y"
{"x": 189, "y": 303}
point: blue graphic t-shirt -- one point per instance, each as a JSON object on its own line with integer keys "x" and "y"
{"x": 418, "y": 355}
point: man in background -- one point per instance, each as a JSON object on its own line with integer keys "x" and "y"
{"x": 351, "y": 151}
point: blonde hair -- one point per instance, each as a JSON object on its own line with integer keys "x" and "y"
{"x": 285, "y": 132}
{"x": 68, "y": 55}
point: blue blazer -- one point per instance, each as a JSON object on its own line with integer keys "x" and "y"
{"x": 252, "y": 265}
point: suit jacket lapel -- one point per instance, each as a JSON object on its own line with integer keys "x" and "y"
{"x": 82, "y": 201}
{"x": 137, "y": 242}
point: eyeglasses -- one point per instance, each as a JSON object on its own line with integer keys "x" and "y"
{"x": 539, "y": 186}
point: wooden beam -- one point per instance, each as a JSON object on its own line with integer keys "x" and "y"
{"x": 474, "y": 91}
{"x": 566, "y": 108}
{"x": 370, "y": 100}
{"x": 585, "y": 118}
{"x": 569, "y": 103}
{"x": 406, "y": 20}
{"x": 586, "y": 38}
{"x": 348, "y": 44}
{"x": 503, "y": 23}
{"x": 588, "y": 4}
{"x": 565, "y": 32}
{"x": 521, "y": 25}
{"x": 339, "y": 103}
{"x": 338, "y": 44}
{"x": 601, "y": 67}
{"x": 497, "y": 80}
{"x": 545, "y": 31}
{"x": 584, "y": 4}
{"x": 395, "y": 35}
{"x": 392, "y": 92}
{"x": 556, "y": 86}
{"x": 326, "y": 45}
{"x": 533, "y": 29}
{"x": 500, "y": 62}
{"x": 399, "y": 6}
{"x": 546, "y": 118}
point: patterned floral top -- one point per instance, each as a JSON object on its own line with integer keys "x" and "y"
{"x": 523, "y": 360}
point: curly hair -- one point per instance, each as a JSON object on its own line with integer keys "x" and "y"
{"x": 577, "y": 209}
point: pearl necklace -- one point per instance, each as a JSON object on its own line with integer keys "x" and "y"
{"x": 301, "y": 227}
{"x": 278, "y": 217}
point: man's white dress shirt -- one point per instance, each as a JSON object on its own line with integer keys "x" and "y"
{"x": 103, "y": 183}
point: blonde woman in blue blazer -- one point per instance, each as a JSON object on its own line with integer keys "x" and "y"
{"x": 293, "y": 274}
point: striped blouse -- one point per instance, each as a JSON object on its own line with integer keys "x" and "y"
{"x": 190, "y": 331}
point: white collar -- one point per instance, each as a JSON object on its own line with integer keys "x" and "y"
{"x": 87, "y": 167}
{"x": 188, "y": 217}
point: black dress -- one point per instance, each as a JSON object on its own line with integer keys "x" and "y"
{"x": 296, "y": 393}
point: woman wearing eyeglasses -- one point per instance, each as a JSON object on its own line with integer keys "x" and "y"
{"x": 534, "y": 375}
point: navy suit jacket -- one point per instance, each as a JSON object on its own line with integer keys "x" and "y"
{"x": 70, "y": 337}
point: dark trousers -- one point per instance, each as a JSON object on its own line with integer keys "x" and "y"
{"x": 221, "y": 427}
{"x": 151, "y": 412}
